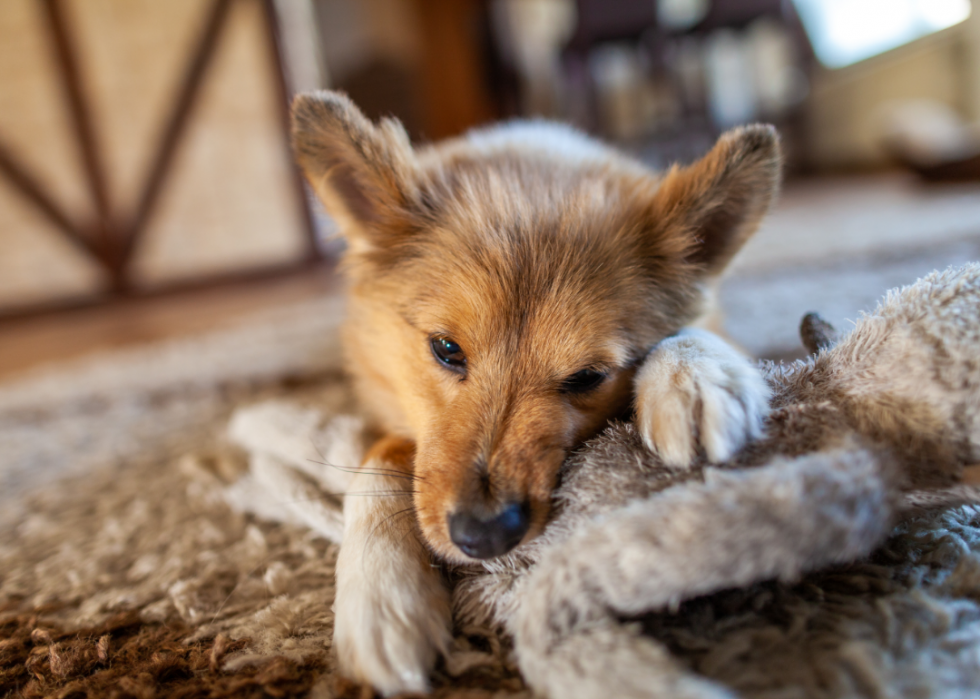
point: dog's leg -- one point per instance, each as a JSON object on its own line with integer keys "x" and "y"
{"x": 392, "y": 609}
{"x": 693, "y": 390}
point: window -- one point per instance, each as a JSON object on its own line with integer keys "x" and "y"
{"x": 847, "y": 31}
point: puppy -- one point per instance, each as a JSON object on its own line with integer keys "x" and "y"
{"x": 510, "y": 292}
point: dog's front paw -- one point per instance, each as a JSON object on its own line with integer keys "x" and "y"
{"x": 693, "y": 391}
{"x": 392, "y": 610}
{"x": 390, "y": 625}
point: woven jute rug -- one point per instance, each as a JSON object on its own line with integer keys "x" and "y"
{"x": 124, "y": 571}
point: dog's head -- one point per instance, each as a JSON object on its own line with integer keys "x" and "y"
{"x": 504, "y": 287}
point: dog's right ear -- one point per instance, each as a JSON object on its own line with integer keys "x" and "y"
{"x": 718, "y": 202}
{"x": 362, "y": 172}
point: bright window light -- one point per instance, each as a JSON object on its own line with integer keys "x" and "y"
{"x": 847, "y": 31}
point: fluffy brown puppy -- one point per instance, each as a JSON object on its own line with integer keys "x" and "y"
{"x": 506, "y": 290}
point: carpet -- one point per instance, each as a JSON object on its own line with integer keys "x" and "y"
{"x": 124, "y": 572}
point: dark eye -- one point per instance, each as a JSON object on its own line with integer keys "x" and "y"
{"x": 582, "y": 381}
{"x": 449, "y": 354}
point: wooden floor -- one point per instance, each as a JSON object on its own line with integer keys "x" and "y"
{"x": 30, "y": 342}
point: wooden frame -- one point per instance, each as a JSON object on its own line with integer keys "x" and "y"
{"x": 110, "y": 238}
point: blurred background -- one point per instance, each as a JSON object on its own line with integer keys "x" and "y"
{"x": 146, "y": 187}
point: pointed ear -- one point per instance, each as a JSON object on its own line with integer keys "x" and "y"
{"x": 362, "y": 172}
{"x": 720, "y": 200}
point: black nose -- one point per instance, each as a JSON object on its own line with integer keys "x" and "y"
{"x": 491, "y": 537}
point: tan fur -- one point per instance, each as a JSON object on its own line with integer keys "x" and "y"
{"x": 541, "y": 253}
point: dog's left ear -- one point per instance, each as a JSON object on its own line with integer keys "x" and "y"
{"x": 364, "y": 173}
{"x": 720, "y": 200}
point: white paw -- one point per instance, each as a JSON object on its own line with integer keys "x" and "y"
{"x": 389, "y": 630}
{"x": 392, "y": 609}
{"x": 694, "y": 390}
